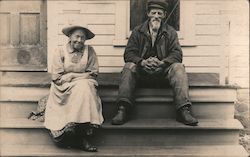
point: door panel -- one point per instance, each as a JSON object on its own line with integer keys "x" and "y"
{"x": 5, "y": 29}
{"x": 23, "y": 35}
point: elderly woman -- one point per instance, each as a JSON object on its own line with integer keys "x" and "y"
{"x": 74, "y": 108}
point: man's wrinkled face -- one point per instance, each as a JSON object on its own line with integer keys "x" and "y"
{"x": 155, "y": 18}
{"x": 77, "y": 39}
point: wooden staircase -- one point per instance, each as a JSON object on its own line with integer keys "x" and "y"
{"x": 151, "y": 132}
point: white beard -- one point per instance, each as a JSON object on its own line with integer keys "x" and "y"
{"x": 155, "y": 25}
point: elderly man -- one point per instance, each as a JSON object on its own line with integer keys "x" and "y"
{"x": 153, "y": 50}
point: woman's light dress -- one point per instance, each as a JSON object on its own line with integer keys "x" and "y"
{"x": 76, "y": 101}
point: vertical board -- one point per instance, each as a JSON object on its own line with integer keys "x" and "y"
{"x": 15, "y": 29}
{"x": 5, "y": 28}
{"x": 29, "y": 28}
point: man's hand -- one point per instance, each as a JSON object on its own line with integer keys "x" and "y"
{"x": 159, "y": 63}
{"x": 144, "y": 65}
{"x": 158, "y": 70}
{"x": 149, "y": 66}
{"x": 153, "y": 65}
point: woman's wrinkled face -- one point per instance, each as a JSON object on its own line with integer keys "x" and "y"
{"x": 77, "y": 39}
{"x": 155, "y": 18}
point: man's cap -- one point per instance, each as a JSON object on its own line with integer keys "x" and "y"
{"x": 159, "y": 4}
{"x": 69, "y": 30}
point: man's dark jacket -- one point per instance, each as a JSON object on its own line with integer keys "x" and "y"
{"x": 167, "y": 45}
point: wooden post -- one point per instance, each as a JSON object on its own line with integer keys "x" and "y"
{"x": 224, "y": 23}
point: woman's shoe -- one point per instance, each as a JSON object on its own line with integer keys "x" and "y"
{"x": 86, "y": 146}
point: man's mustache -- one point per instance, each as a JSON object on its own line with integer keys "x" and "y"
{"x": 156, "y": 19}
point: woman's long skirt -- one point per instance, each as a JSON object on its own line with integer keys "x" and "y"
{"x": 73, "y": 102}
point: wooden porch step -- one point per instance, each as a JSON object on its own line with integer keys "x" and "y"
{"x": 202, "y": 110}
{"x": 204, "y": 124}
{"x": 140, "y": 132}
{"x": 197, "y": 94}
{"x": 150, "y": 103}
{"x": 104, "y": 79}
{"x": 156, "y": 151}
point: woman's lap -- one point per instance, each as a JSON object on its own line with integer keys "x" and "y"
{"x": 82, "y": 103}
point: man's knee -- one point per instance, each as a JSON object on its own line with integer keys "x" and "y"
{"x": 177, "y": 69}
{"x": 130, "y": 66}
{"x": 177, "y": 66}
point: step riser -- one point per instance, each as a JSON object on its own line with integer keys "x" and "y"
{"x": 196, "y": 94}
{"x": 167, "y": 110}
{"x": 109, "y": 155}
{"x": 44, "y": 78}
{"x": 114, "y": 137}
{"x": 163, "y": 151}
{"x": 166, "y": 138}
{"x": 141, "y": 110}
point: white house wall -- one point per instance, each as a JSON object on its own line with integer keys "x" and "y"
{"x": 208, "y": 51}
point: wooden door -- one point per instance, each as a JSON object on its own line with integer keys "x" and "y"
{"x": 23, "y": 35}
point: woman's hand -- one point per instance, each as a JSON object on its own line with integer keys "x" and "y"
{"x": 85, "y": 75}
{"x": 66, "y": 78}
{"x": 70, "y": 76}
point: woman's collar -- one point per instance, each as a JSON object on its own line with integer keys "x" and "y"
{"x": 69, "y": 48}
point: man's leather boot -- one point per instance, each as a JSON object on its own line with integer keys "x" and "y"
{"x": 184, "y": 116}
{"x": 121, "y": 116}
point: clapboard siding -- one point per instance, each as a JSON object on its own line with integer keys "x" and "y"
{"x": 97, "y": 40}
{"x": 109, "y": 50}
{"x": 207, "y": 19}
{"x": 208, "y": 40}
{"x": 188, "y": 69}
{"x": 83, "y": 19}
{"x": 207, "y": 8}
{"x": 88, "y": 7}
{"x": 240, "y": 40}
{"x": 207, "y": 53}
{"x": 189, "y": 61}
{"x": 203, "y": 51}
{"x": 238, "y": 14}
{"x": 99, "y": 16}
{"x": 208, "y": 29}
{"x": 98, "y": 29}
{"x": 102, "y": 29}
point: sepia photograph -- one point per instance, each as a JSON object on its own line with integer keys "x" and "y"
{"x": 129, "y": 78}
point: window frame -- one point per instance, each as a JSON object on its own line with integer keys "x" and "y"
{"x": 186, "y": 34}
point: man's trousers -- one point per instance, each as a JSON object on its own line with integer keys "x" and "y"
{"x": 175, "y": 75}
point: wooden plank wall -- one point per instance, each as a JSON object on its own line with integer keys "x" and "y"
{"x": 203, "y": 56}
{"x": 23, "y": 35}
{"x": 99, "y": 16}
{"x": 238, "y": 15}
